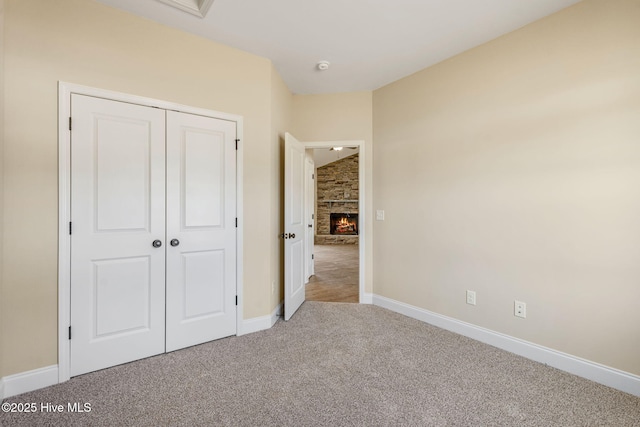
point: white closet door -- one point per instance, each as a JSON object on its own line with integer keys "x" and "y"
{"x": 201, "y": 229}
{"x": 117, "y": 211}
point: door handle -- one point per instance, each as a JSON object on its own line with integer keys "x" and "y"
{"x": 310, "y": 226}
{"x": 288, "y": 236}
{"x": 156, "y": 243}
{"x": 174, "y": 242}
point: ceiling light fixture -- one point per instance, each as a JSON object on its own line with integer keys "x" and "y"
{"x": 323, "y": 65}
{"x": 337, "y": 148}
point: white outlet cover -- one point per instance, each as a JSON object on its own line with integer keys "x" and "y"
{"x": 520, "y": 309}
{"x": 471, "y": 297}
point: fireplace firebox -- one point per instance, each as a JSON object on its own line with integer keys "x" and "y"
{"x": 344, "y": 224}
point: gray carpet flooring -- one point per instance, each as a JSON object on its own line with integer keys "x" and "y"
{"x": 335, "y": 364}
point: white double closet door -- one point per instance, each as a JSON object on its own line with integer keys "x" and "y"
{"x": 153, "y": 242}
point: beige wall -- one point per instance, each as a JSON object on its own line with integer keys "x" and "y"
{"x": 335, "y": 117}
{"x": 281, "y": 121}
{"x": 84, "y": 42}
{"x": 513, "y": 170}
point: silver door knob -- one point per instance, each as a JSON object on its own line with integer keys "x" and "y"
{"x": 174, "y": 242}
{"x": 157, "y": 243}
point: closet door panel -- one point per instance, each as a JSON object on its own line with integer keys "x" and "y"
{"x": 117, "y": 211}
{"x": 201, "y": 212}
{"x": 203, "y": 166}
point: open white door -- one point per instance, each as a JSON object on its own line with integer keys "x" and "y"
{"x": 294, "y": 225}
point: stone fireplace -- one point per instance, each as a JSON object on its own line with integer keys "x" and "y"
{"x": 337, "y": 202}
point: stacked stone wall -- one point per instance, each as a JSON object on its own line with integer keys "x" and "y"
{"x": 337, "y": 192}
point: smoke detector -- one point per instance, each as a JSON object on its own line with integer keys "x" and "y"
{"x": 323, "y": 65}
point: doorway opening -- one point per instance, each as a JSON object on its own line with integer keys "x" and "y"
{"x": 336, "y": 275}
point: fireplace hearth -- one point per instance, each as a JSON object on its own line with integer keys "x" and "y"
{"x": 344, "y": 224}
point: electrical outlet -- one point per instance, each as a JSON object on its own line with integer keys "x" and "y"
{"x": 379, "y": 215}
{"x": 471, "y": 297}
{"x": 520, "y": 309}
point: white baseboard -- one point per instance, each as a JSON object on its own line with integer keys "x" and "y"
{"x": 29, "y": 381}
{"x": 261, "y": 323}
{"x": 614, "y": 378}
{"x": 366, "y": 298}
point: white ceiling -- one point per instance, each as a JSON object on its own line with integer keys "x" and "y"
{"x": 369, "y": 43}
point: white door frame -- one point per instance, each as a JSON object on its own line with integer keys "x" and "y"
{"x": 362, "y": 217}
{"x": 309, "y": 214}
{"x": 64, "y": 198}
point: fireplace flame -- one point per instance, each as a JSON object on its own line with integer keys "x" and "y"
{"x": 345, "y": 225}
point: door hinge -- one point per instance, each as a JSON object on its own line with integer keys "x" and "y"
{"x": 312, "y": 256}
{"x": 236, "y": 222}
{"x": 69, "y": 332}
{"x": 313, "y": 176}
{"x": 313, "y": 216}
{"x": 69, "y": 228}
{"x": 237, "y": 140}
{"x": 69, "y": 123}
{"x": 236, "y": 299}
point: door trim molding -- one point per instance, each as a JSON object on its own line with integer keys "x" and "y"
{"x": 363, "y": 298}
{"x": 65, "y": 90}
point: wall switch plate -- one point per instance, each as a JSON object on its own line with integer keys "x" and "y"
{"x": 520, "y": 309}
{"x": 380, "y": 215}
{"x": 471, "y": 297}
